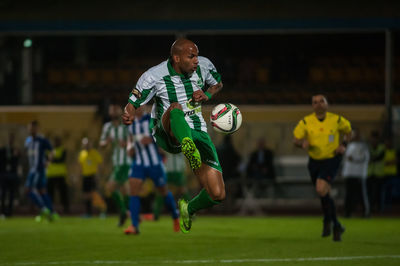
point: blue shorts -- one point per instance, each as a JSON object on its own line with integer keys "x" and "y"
{"x": 36, "y": 179}
{"x": 325, "y": 169}
{"x": 156, "y": 173}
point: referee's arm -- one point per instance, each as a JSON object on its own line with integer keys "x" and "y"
{"x": 345, "y": 128}
{"x": 300, "y": 134}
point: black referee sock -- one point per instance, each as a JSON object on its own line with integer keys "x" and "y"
{"x": 326, "y": 208}
{"x": 333, "y": 213}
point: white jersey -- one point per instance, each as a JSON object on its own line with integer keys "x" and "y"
{"x": 166, "y": 86}
{"x": 358, "y": 165}
{"x": 117, "y": 134}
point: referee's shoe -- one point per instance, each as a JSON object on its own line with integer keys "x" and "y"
{"x": 337, "y": 232}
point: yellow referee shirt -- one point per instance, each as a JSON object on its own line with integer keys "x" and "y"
{"x": 323, "y": 136}
{"x": 89, "y": 160}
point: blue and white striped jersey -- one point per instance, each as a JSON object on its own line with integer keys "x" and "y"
{"x": 145, "y": 155}
{"x": 36, "y": 149}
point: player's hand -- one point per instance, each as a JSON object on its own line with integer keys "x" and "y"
{"x": 305, "y": 145}
{"x": 146, "y": 140}
{"x": 122, "y": 143}
{"x": 131, "y": 152}
{"x": 199, "y": 96}
{"x": 129, "y": 114}
{"x": 340, "y": 150}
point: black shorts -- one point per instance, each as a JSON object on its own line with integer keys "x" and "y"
{"x": 89, "y": 183}
{"x": 324, "y": 169}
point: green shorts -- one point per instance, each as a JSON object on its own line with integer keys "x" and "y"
{"x": 203, "y": 143}
{"x": 176, "y": 179}
{"x": 120, "y": 174}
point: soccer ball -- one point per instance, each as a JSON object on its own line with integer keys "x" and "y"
{"x": 226, "y": 118}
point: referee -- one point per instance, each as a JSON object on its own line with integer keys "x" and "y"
{"x": 319, "y": 134}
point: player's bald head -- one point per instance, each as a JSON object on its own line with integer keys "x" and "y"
{"x": 184, "y": 56}
{"x": 180, "y": 45}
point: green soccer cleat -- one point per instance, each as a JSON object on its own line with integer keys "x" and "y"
{"x": 44, "y": 214}
{"x": 54, "y": 217}
{"x": 185, "y": 221}
{"x": 192, "y": 153}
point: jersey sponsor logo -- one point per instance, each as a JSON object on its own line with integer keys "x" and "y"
{"x": 193, "y": 109}
{"x": 190, "y": 113}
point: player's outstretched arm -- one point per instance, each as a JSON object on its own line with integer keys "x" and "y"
{"x": 200, "y": 96}
{"x": 215, "y": 89}
{"x": 129, "y": 114}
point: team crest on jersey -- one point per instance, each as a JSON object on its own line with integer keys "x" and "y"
{"x": 199, "y": 83}
{"x": 137, "y": 93}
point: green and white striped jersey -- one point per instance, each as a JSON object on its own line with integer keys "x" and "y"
{"x": 117, "y": 134}
{"x": 166, "y": 86}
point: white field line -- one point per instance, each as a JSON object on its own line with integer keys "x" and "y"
{"x": 116, "y": 262}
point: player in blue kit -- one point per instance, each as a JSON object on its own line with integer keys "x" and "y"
{"x": 147, "y": 163}
{"x": 39, "y": 151}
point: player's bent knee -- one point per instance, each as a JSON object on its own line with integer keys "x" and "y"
{"x": 217, "y": 194}
{"x": 321, "y": 191}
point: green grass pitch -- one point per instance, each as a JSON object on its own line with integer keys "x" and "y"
{"x": 225, "y": 240}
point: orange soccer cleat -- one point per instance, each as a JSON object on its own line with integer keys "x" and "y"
{"x": 131, "y": 230}
{"x": 176, "y": 225}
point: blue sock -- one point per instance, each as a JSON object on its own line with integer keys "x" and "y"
{"x": 170, "y": 203}
{"x": 134, "y": 207}
{"x": 47, "y": 201}
{"x": 37, "y": 200}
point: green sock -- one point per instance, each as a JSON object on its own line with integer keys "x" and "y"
{"x": 158, "y": 204}
{"x": 185, "y": 196}
{"x": 201, "y": 201}
{"x": 179, "y": 126}
{"x": 119, "y": 200}
{"x": 126, "y": 202}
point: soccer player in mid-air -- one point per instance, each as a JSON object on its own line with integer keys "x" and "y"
{"x": 179, "y": 86}
{"x": 319, "y": 134}
{"x": 147, "y": 162}
{"x": 39, "y": 152}
{"x": 116, "y": 134}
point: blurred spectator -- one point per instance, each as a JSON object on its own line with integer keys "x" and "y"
{"x": 90, "y": 159}
{"x": 10, "y": 158}
{"x": 260, "y": 166}
{"x": 260, "y": 173}
{"x": 229, "y": 158}
{"x": 57, "y": 174}
{"x": 390, "y": 173}
{"x": 230, "y": 161}
{"x": 355, "y": 170}
{"x": 376, "y": 170}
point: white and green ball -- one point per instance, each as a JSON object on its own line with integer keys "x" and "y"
{"x": 226, "y": 118}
